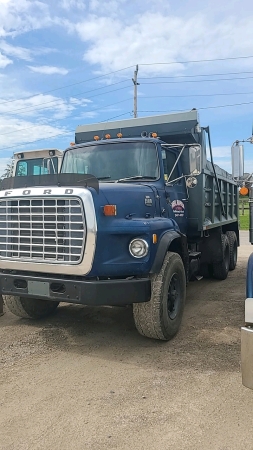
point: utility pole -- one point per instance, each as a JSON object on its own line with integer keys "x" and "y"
{"x": 134, "y": 80}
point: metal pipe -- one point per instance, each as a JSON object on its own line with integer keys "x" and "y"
{"x": 207, "y": 130}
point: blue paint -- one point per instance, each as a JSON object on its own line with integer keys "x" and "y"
{"x": 249, "y": 280}
{"x": 114, "y": 234}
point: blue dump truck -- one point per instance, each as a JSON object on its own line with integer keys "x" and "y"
{"x": 135, "y": 214}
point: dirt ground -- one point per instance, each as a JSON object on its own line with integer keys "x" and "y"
{"x": 84, "y": 378}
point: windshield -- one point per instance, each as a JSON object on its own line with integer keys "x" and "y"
{"x": 114, "y": 162}
{"x": 37, "y": 166}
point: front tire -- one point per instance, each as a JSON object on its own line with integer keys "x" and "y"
{"x": 221, "y": 269}
{"x": 161, "y": 317}
{"x": 29, "y": 308}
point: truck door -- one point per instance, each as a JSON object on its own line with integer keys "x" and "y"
{"x": 175, "y": 194}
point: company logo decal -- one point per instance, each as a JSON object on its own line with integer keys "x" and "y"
{"x": 178, "y": 208}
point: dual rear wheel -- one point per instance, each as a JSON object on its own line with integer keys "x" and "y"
{"x": 229, "y": 250}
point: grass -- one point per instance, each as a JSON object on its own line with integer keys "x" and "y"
{"x": 244, "y": 220}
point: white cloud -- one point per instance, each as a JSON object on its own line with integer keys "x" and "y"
{"x": 17, "y": 52}
{"x": 69, "y": 5}
{"x": 49, "y": 70}
{"x": 17, "y": 131}
{"x": 159, "y": 37}
{"x": 4, "y": 61}
{"x": 42, "y": 107}
{"x": 26, "y": 15}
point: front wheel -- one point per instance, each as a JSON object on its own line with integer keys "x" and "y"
{"x": 160, "y": 318}
{"x": 29, "y": 308}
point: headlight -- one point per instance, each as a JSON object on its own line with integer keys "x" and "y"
{"x": 138, "y": 248}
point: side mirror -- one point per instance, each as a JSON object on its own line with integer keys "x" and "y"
{"x": 237, "y": 154}
{"x": 195, "y": 159}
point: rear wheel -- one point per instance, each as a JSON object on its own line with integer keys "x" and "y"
{"x": 233, "y": 249}
{"x": 221, "y": 269}
{"x": 160, "y": 318}
{"x": 29, "y": 308}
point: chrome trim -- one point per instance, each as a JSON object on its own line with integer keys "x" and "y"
{"x": 146, "y": 250}
{"x": 47, "y": 230}
{"x": 57, "y": 267}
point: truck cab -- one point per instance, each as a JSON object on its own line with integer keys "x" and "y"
{"x": 37, "y": 162}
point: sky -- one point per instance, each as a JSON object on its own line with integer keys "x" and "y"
{"x": 71, "y": 62}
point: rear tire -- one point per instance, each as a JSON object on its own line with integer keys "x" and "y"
{"x": 221, "y": 269}
{"x": 233, "y": 249}
{"x": 29, "y": 308}
{"x": 160, "y": 318}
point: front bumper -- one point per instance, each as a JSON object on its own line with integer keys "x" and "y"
{"x": 86, "y": 292}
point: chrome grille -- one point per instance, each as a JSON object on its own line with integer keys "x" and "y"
{"x": 42, "y": 230}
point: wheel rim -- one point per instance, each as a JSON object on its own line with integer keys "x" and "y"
{"x": 174, "y": 291}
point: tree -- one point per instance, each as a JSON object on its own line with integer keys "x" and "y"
{"x": 8, "y": 169}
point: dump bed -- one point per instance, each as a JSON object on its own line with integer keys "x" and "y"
{"x": 209, "y": 206}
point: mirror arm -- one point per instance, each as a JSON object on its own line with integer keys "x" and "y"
{"x": 179, "y": 156}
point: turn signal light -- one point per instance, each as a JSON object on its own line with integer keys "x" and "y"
{"x": 244, "y": 190}
{"x": 96, "y": 138}
{"x": 154, "y": 238}
{"x": 110, "y": 210}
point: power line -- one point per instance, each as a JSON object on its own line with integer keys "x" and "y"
{"x": 34, "y": 108}
{"x": 67, "y": 85}
{"x": 196, "y": 75}
{"x": 125, "y": 68}
{"x": 91, "y": 110}
{"x": 197, "y": 81}
{"x": 207, "y": 107}
{"x": 197, "y": 61}
{"x": 60, "y": 134}
{"x": 198, "y": 95}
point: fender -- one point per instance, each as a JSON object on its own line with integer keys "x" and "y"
{"x": 163, "y": 247}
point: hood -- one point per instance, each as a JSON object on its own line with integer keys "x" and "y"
{"x": 131, "y": 199}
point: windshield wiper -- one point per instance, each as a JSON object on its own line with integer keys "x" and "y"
{"x": 137, "y": 177}
{"x": 103, "y": 178}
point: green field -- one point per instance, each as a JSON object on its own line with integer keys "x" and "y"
{"x": 244, "y": 220}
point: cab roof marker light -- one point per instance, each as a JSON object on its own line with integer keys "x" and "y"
{"x": 107, "y": 136}
{"x": 72, "y": 143}
{"x": 96, "y": 138}
{"x": 119, "y": 135}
